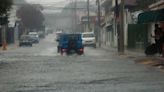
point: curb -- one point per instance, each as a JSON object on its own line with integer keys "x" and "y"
{"x": 141, "y": 58}
{"x": 128, "y": 53}
{"x": 131, "y": 54}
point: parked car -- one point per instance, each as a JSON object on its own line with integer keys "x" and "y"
{"x": 34, "y": 36}
{"x": 25, "y": 40}
{"x": 89, "y": 39}
{"x": 69, "y": 43}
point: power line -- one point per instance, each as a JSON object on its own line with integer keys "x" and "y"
{"x": 71, "y": 8}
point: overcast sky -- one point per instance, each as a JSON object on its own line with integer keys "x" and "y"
{"x": 58, "y": 2}
{"x": 49, "y": 2}
{"x": 45, "y": 1}
{"x": 52, "y": 3}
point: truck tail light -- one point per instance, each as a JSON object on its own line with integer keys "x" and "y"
{"x": 81, "y": 49}
{"x": 64, "y": 50}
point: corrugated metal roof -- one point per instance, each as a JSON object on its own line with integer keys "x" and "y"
{"x": 130, "y": 2}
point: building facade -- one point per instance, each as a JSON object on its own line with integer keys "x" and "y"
{"x": 110, "y": 29}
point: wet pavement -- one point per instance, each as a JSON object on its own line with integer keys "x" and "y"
{"x": 41, "y": 69}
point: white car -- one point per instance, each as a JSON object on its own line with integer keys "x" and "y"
{"x": 89, "y": 39}
{"x": 34, "y": 36}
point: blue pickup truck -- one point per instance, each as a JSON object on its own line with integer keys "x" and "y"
{"x": 69, "y": 43}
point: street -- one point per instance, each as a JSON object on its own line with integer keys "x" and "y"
{"x": 41, "y": 69}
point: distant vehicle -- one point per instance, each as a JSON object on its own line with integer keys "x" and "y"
{"x": 34, "y": 36}
{"x": 69, "y": 43}
{"x": 51, "y": 31}
{"x": 25, "y": 40}
{"x": 48, "y": 30}
{"x": 58, "y": 36}
{"x": 89, "y": 39}
{"x": 58, "y": 33}
{"x": 41, "y": 34}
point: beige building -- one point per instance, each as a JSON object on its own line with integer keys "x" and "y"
{"x": 109, "y": 28}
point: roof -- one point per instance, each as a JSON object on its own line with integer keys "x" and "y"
{"x": 130, "y": 2}
{"x": 158, "y": 5}
{"x": 151, "y": 16}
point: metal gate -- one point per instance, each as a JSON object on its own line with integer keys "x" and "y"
{"x": 137, "y": 36}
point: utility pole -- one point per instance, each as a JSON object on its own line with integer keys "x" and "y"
{"x": 88, "y": 14}
{"x": 72, "y": 16}
{"x": 75, "y": 15}
{"x": 4, "y": 43}
{"x": 3, "y": 23}
{"x": 121, "y": 35}
{"x": 99, "y": 24}
{"x": 16, "y": 33}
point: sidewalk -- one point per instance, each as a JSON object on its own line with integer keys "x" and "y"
{"x": 139, "y": 57}
{"x": 128, "y": 53}
{"x": 9, "y": 47}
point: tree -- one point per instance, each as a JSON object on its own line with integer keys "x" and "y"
{"x": 5, "y": 6}
{"x": 143, "y": 4}
{"x": 31, "y": 16}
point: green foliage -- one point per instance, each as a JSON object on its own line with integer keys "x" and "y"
{"x": 5, "y": 6}
{"x": 31, "y": 16}
{"x": 3, "y": 20}
{"x": 143, "y": 4}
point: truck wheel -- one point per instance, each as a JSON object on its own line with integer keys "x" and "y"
{"x": 60, "y": 50}
{"x": 80, "y": 52}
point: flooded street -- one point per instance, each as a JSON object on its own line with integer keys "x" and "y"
{"x": 81, "y": 45}
{"x": 42, "y": 69}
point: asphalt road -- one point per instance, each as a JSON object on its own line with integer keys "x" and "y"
{"x": 41, "y": 69}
